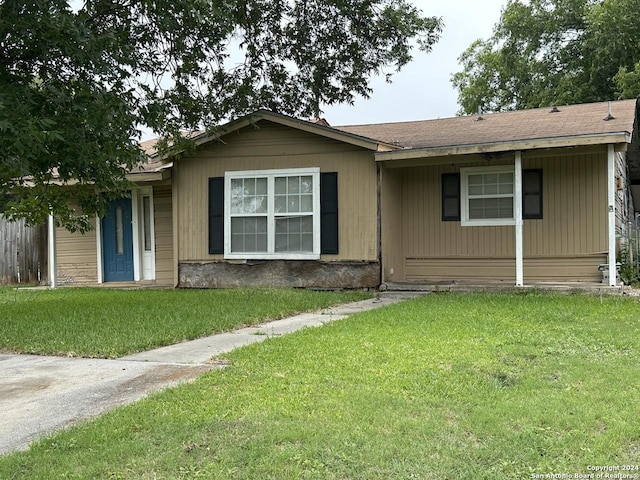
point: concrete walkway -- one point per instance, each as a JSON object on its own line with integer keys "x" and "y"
{"x": 39, "y": 395}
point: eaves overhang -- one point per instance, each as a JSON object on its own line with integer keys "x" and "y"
{"x": 149, "y": 176}
{"x": 302, "y": 125}
{"x": 505, "y": 146}
{"x": 157, "y": 174}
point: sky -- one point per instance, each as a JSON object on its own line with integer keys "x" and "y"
{"x": 423, "y": 89}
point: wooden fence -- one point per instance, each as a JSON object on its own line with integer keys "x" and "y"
{"x": 23, "y": 253}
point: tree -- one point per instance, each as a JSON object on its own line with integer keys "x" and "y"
{"x": 546, "y": 52}
{"x": 78, "y": 84}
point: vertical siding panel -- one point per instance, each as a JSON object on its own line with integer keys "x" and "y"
{"x": 596, "y": 209}
{"x": 573, "y": 197}
{"x": 573, "y": 214}
{"x": 429, "y": 234}
{"x": 604, "y": 196}
{"x": 560, "y": 211}
{"x": 163, "y": 226}
{"x": 406, "y": 228}
{"x": 549, "y": 202}
{"x": 555, "y": 238}
{"x": 566, "y": 181}
{"x": 578, "y": 239}
{"x": 599, "y": 192}
{"x": 392, "y": 238}
{"x": 582, "y": 234}
{"x": 418, "y": 223}
{"x": 591, "y": 202}
{"x": 413, "y": 215}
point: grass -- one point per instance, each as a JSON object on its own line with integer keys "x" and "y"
{"x": 443, "y": 387}
{"x": 106, "y": 323}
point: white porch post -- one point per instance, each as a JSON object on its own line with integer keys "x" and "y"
{"x": 99, "y": 258}
{"x": 517, "y": 207}
{"x": 52, "y": 251}
{"x": 611, "y": 190}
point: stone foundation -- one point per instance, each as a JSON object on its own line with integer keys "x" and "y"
{"x": 280, "y": 273}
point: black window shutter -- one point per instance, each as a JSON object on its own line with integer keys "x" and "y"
{"x": 329, "y": 212}
{"x": 532, "y": 194}
{"x": 450, "y": 197}
{"x": 216, "y": 215}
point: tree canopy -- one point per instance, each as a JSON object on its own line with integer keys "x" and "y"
{"x": 553, "y": 52}
{"x": 78, "y": 82}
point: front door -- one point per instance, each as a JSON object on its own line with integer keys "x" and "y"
{"x": 117, "y": 242}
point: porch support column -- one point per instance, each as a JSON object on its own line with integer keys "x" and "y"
{"x": 611, "y": 191}
{"x": 99, "y": 257}
{"x": 517, "y": 207}
{"x": 52, "y": 251}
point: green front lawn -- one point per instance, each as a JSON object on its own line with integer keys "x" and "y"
{"x": 98, "y": 322}
{"x": 446, "y": 386}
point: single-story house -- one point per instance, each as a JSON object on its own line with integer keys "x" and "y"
{"x": 520, "y": 197}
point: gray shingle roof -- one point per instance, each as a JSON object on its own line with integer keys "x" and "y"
{"x": 539, "y": 123}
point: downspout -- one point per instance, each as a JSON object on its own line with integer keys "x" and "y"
{"x": 517, "y": 206}
{"x": 52, "y": 251}
{"x": 611, "y": 191}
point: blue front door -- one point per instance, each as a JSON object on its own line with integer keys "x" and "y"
{"x": 117, "y": 242}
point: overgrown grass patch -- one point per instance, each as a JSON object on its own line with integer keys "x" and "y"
{"x": 446, "y": 386}
{"x": 95, "y": 322}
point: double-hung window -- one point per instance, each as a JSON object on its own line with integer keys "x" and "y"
{"x": 272, "y": 214}
{"x": 487, "y": 195}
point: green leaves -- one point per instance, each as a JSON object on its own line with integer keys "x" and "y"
{"x": 551, "y": 52}
{"x": 77, "y": 85}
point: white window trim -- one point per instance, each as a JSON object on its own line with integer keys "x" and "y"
{"x": 464, "y": 197}
{"x": 271, "y": 254}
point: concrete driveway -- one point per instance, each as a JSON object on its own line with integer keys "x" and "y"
{"x": 39, "y": 395}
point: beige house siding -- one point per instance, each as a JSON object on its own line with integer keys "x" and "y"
{"x": 566, "y": 245}
{"x": 163, "y": 235}
{"x": 76, "y": 258}
{"x": 269, "y": 146}
{"x": 392, "y": 224}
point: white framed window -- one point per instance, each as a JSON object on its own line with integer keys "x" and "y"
{"x": 272, "y": 214}
{"x": 487, "y": 195}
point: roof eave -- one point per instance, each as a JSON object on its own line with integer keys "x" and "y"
{"x": 515, "y": 145}
{"x": 149, "y": 176}
{"x": 309, "y": 127}
{"x": 158, "y": 174}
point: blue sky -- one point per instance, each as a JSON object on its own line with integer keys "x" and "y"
{"x": 423, "y": 90}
